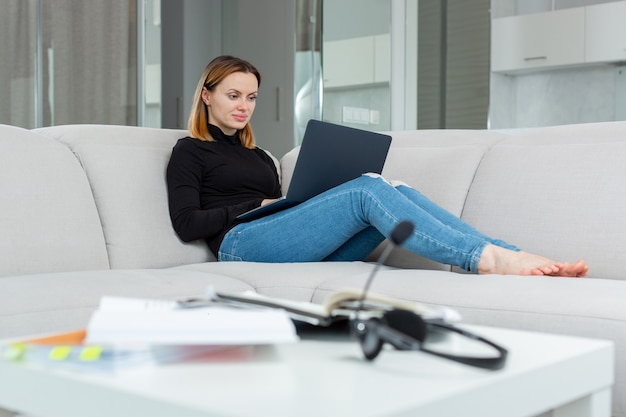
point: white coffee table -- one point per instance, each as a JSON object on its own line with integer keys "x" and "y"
{"x": 572, "y": 376}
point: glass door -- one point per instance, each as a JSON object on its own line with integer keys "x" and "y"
{"x": 308, "y": 83}
{"x": 357, "y": 63}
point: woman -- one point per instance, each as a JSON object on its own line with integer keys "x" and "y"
{"x": 218, "y": 173}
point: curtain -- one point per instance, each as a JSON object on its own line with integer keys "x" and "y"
{"x": 88, "y": 62}
{"x": 17, "y": 62}
{"x": 453, "y": 64}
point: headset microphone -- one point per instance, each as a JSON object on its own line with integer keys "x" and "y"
{"x": 399, "y": 234}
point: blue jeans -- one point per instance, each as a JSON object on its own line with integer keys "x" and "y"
{"x": 349, "y": 221}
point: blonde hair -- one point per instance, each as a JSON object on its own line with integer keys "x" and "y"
{"x": 218, "y": 69}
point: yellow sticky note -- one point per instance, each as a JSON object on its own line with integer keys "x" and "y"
{"x": 60, "y": 353}
{"x": 14, "y": 351}
{"x": 90, "y": 353}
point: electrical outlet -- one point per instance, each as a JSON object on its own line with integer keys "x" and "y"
{"x": 374, "y": 117}
{"x": 356, "y": 115}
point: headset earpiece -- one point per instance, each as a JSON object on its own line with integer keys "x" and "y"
{"x": 367, "y": 332}
{"x": 408, "y": 323}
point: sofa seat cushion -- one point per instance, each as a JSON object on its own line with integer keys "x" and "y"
{"x": 49, "y": 220}
{"x": 294, "y": 281}
{"x": 56, "y": 302}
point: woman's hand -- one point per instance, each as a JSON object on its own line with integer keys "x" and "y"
{"x": 267, "y": 201}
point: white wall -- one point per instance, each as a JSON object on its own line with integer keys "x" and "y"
{"x": 555, "y": 97}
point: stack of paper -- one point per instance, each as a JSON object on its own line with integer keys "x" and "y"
{"x": 124, "y": 333}
{"x": 128, "y": 321}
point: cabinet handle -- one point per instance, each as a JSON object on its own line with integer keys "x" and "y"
{"x": 535, "y": 58}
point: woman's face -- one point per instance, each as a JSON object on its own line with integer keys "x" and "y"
{"x": 231, "y": 103}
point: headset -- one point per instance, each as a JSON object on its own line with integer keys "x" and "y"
{"x": 406, "y": 330}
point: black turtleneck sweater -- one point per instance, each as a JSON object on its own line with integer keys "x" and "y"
{"x": 210, "y": 183}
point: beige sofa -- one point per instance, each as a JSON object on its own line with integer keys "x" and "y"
{"x": 84, "y": 214}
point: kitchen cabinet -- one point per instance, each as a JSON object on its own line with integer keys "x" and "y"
{"x": 605, "y": 28}
{"x": 537, "y": 41}
{"x": 357, "y": 61}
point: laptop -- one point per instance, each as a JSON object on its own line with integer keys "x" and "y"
{"x": 330, "y": 155}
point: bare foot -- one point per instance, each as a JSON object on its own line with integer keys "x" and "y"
{"x": 578, "y": 269}
{"x": 497, "y": 260}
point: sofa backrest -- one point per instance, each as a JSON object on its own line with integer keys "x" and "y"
{"x": 441, "y": 164}
{"x": 558, "y": 191}
{"x": 48, "y": 219}
{"x": 126, "y": 168}
{"x": 94, "y": 197}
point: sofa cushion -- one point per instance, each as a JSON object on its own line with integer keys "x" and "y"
{"x": 49, "y": 220}
{"x": 294, "y": 281}
{"x": 565, "y": 184}
{"x": 126, "y": 168}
